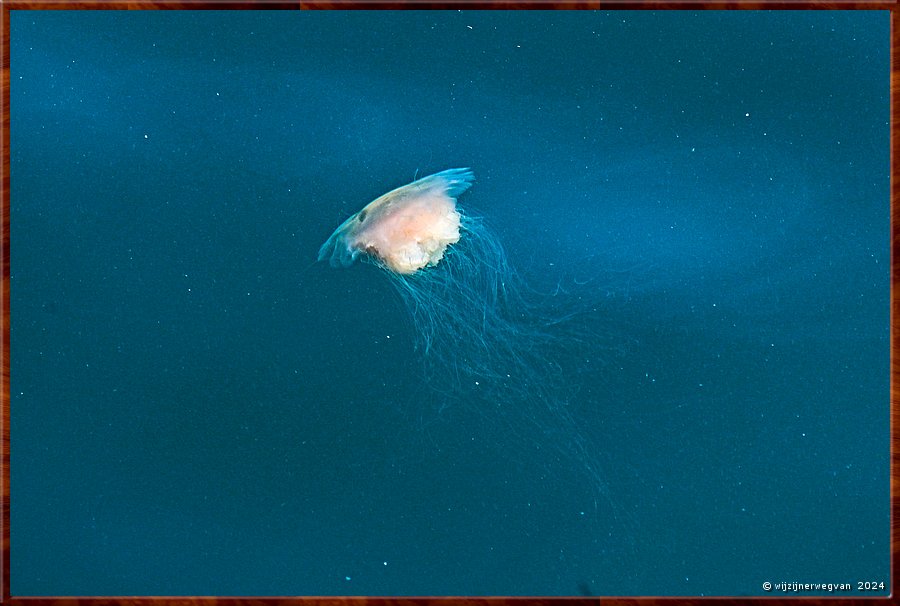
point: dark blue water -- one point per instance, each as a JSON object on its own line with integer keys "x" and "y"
{"x": 198, "y": 408}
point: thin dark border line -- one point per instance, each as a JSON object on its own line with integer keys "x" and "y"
{"x": 450, "y": 4}
{"x": 4, "y": 306}
{"x": 894, "y": 237}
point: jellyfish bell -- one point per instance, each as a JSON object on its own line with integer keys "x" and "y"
{"x": 406, "y": 229}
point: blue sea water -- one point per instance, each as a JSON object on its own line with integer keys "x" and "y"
{"x": 197, "y": 407}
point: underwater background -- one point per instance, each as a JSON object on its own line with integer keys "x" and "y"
{"x": 197, "y": 407}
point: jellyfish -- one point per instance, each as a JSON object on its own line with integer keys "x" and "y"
{"x": 488, "y": 341}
